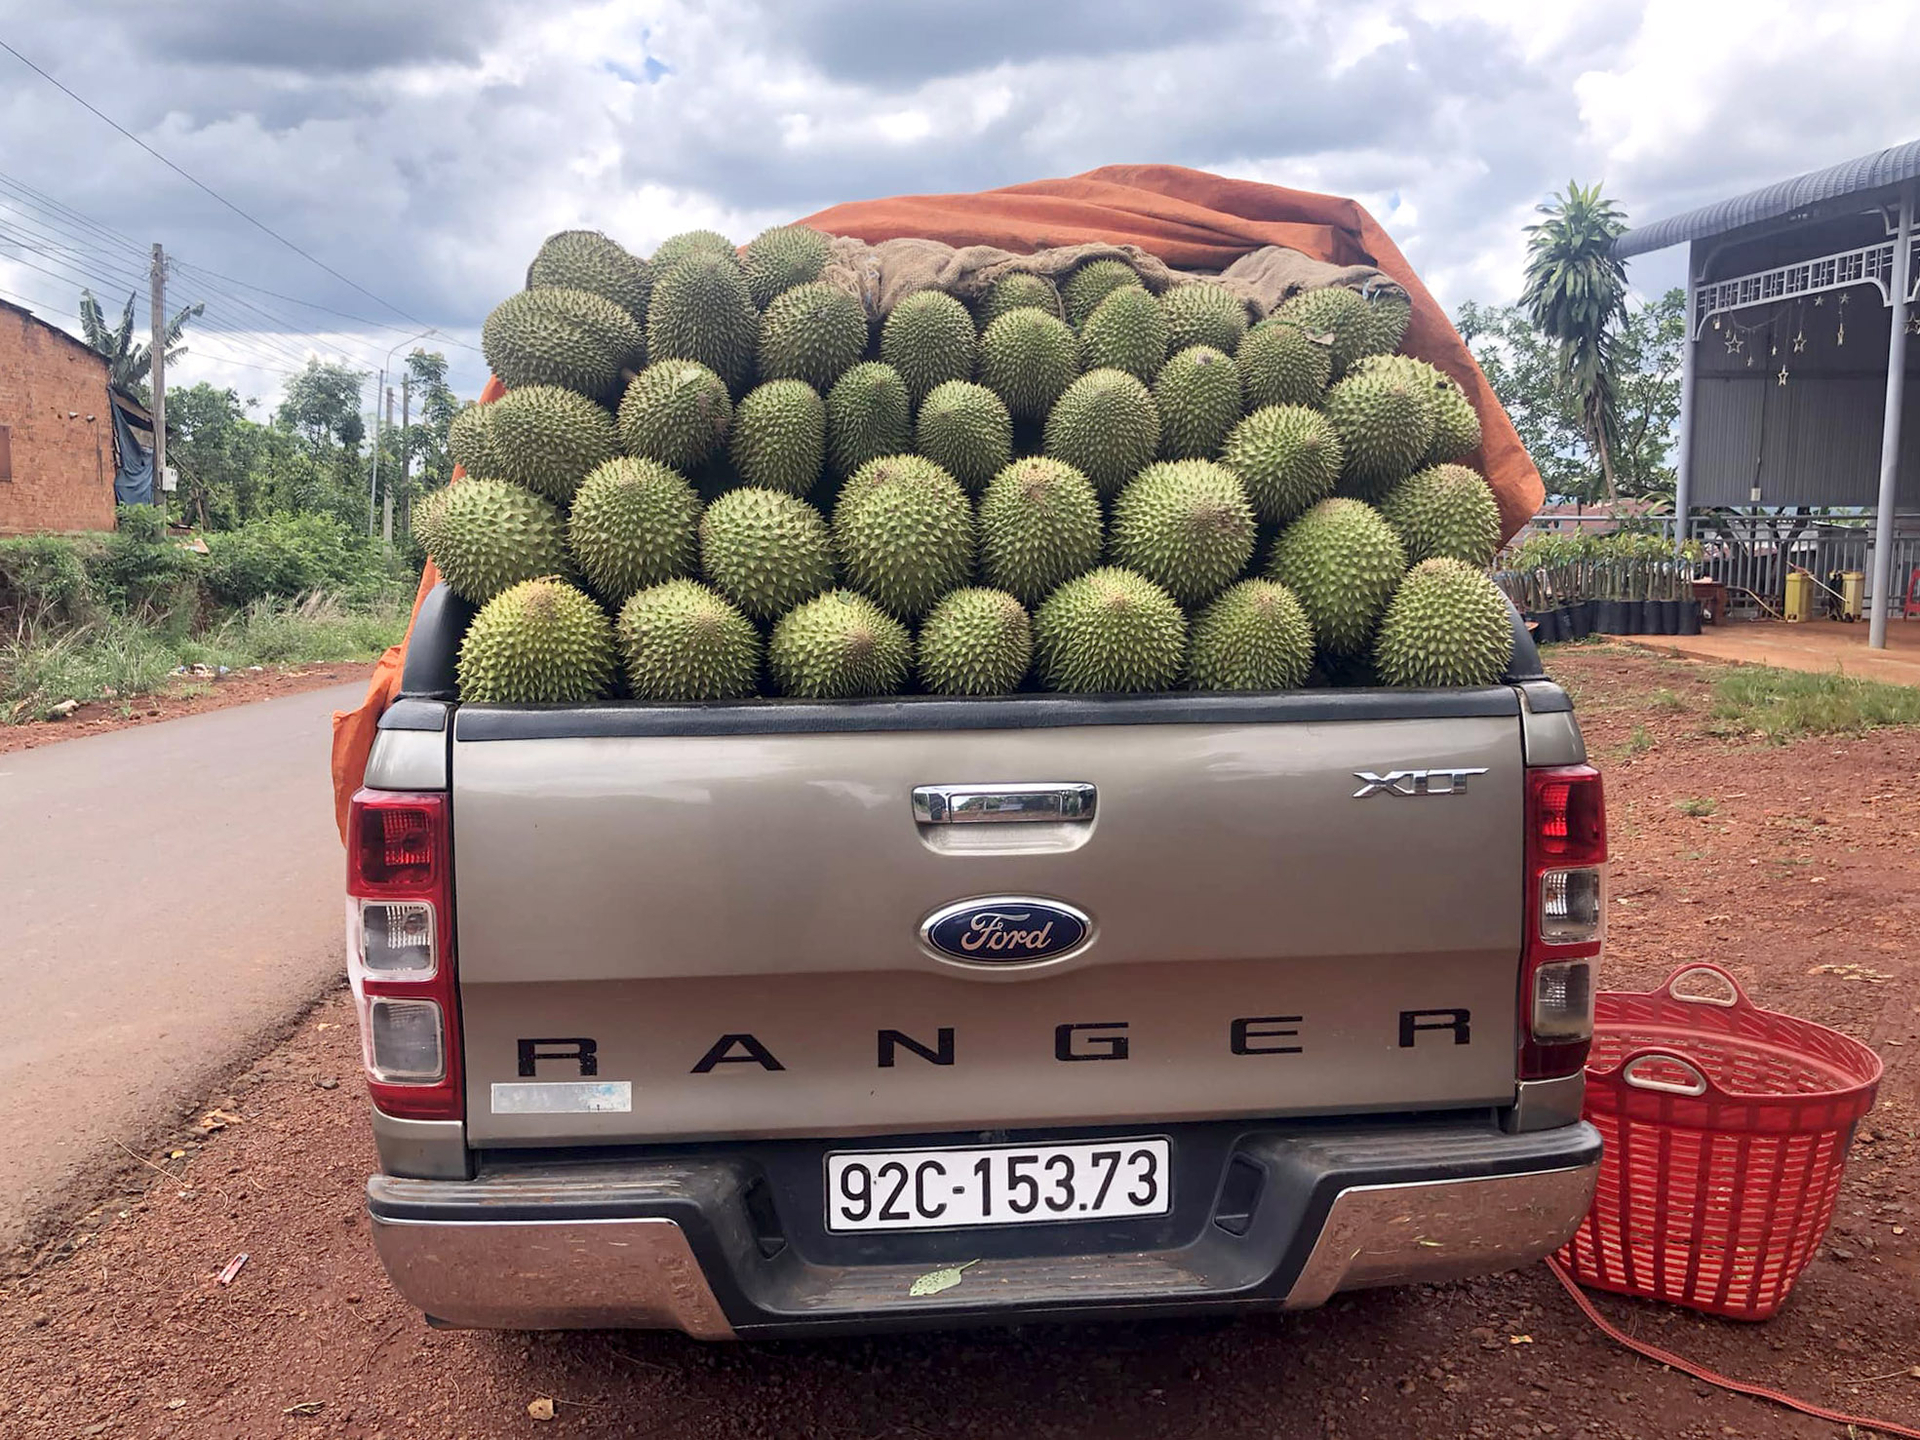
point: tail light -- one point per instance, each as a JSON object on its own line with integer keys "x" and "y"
{"x": 400, "y": 952}
{"x": 1565, "y": 918}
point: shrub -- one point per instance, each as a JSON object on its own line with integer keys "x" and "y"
{"x": 289, "y": 555}
{"x": 139, "y": 570}
{"x": 43, "y": 581}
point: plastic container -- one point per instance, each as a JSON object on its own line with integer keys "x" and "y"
{"x": 1726, "y": 1129}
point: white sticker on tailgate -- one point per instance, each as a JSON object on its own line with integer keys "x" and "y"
{"x": 563, "y": 1097}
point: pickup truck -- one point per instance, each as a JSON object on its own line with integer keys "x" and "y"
{"x": 780, "y": 1017}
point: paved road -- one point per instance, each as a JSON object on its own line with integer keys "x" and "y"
{"x": 169, "y": 894}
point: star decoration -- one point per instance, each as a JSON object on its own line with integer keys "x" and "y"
{"x": 1913, "y": 325}
{"x": 1735, "y": 344}
{"x": 1800, "y": 342}
{"x": 1819, "y": 299}
{"x": 1783, "y": 375}
{"x": 1843, "y": 297}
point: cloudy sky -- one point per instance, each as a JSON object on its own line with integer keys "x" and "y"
{"x": 421, "y": 150}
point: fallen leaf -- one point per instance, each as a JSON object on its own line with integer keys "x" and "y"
{"x": 934, "y": 1281}
{"x": 1519, "y": 1339}
{"x": 541, "y": 1409}
{"x": 305, "y": 1407}
{"x": 176, "y": 1404}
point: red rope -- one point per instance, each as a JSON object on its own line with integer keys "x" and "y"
{"x": 1700, "y": 1372}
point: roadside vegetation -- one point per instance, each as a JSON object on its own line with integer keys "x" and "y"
{"x": 1784, "y": 705}
{"x": 114, "y": 616}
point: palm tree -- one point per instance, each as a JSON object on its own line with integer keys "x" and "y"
{"x": 1576, "y": 293}
{"x": 128, "y": 360}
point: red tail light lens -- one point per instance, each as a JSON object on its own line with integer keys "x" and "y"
{"x": 1565, "y": 918}
{"x": 400, "y": 952}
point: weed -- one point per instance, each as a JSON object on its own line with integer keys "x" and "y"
{"x": 1699, "y": 808}
{"x": 1639, "y": 742}
{"x": 1667, "y": 700}
{"x": 1784, "y": 705}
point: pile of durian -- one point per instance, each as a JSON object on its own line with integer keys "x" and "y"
{"x": 715, "y": 475}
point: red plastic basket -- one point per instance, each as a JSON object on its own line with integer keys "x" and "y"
{"x": 1726, "y": 1129}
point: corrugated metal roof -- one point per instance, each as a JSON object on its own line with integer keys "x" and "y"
{"x": 1850, "y": 177}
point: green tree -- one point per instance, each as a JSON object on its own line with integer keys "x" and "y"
{"x": 217, "y": 451}
{"x": 1575, "y": 293}
{"x": 322, "y": 405}
{"x": 427, "y": 466}
{"x": 1523, "y": 366}
{"x": 129, "y": 360}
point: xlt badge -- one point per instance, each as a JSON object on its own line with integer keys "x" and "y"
{"x": 1006, "y": 930}
{"x": 1414, "y": 782}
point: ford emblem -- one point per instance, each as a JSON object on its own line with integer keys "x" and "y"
{"x": 1006, "y": 930}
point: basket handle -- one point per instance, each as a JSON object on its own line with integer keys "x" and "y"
{"x": 1628, "y": 1073}
{"x": 1737, "y": 1000}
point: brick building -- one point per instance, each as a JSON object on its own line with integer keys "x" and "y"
{"x": 56, "y": 429}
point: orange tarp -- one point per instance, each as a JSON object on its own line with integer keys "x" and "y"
{"x": 1191, "y": 220}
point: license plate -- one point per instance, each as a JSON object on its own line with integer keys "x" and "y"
{"x": 998, "y": 1185}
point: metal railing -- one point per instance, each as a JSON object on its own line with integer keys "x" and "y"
{"x": 1751, "y": 552}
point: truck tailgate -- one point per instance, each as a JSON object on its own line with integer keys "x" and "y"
{"x": 669, "y": 936}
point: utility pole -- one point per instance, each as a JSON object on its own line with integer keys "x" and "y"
{"x": 158, "y": 276}
{"x": 406, "y": 444}
{"x": 386, "y": 499}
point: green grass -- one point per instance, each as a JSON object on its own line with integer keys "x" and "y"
{"x": 1784, "y": 705}
{"x": 1667, "y": 700}
{"x": 1640, "y": 741}
{"x": 1698, "y": 808}
{"x": 120, "y": 657}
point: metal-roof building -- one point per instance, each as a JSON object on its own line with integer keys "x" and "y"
{"x": 1793, "y": 383}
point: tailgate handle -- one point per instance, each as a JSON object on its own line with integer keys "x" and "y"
{"x": 1002, "y": 804}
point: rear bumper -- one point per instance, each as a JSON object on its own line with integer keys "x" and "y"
{"x": 724, "y": 1242}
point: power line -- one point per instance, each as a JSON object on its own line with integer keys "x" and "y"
{"x": 259, "y": 225}
{"x": 61, "y": 216}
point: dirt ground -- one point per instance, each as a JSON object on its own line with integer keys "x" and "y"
{"x": 1804, "y": 880}
{"x": 183, "y": 696}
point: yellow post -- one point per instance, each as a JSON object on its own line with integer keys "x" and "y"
{"x": 1799, "y": 604}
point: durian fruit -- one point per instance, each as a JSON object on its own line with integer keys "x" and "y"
{"x": 1445, "y": 510}
{"x": 1342, "y": 561}
{"x": 1039, "y": 527}
{"x": 1017, "y": 291}
{"x": 779, "y": 436}
{"x": 1027, "y": 357}
{"x": 1091, "y": 284}
{"x": 1254, "y": 637}
{"x": 1127, "y": 331}
{"x": 676, "y": 412}
{"x": 929, "y": 338}
{"x": 470, "y": 438}
{"x": 1287, "y": 456}
{"x": 1106, "y": 426}
{"x": 868, "y": 415}
{"x": 1448, "y": 625}
{"x": 710, "y": 244}
{"x": 570, "y": 338}
{"x": 587, "y": 260}
{"x": 1203, "y": 313}
{"x": 486, "y": 534}
{"x": 681, "y": 640}
{"x": 1388, "y": 311}
{"x": 814, "y": 332}
{"x": 1109, "y": 630}
{"x": 903, "y": 528}
{"x": 1456, "y": 425}
{"x": 765, "y": 550}
{"x": 634, "y": 524}
{"x": 549, "y": 439}
{"x": 1198, "y": 393}
{"x": 837, "y": 647}
{"x": 540, "y": 642}
{"x": 976, "y": 642}
{"x": 1337, "y": 311}
{"x": 1385, "y": 420}
{"x": 701, "y": 311}
{"x": 776, "y": 260}
{"x": 1186, "y": 525}
{"x": 1281, "y": 364}
{"x": 965, "y": 428}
